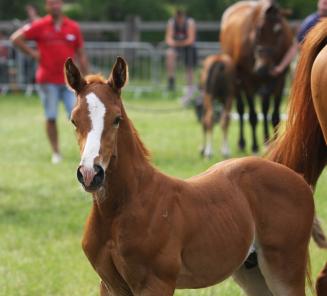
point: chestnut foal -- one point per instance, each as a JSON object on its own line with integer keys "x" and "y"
{"x": 217, "y": 83}
{"x": 149, "y": 234}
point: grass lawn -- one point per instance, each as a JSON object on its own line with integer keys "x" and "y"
{"x": 43, "y": 208}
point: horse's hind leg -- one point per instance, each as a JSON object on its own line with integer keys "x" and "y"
{"x": 265, "y": 108}
{"x": 253, "y": 120}
{"x": 240, "y": 111}
{"x": 252, "y": 281}
{"x": 284, "y": 271}
{"x": 275, "y": 118}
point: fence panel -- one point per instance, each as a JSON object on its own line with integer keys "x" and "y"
{"x": 146, "y": 63}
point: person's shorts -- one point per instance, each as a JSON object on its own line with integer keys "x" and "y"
{"x": 51, "y": 95}
{"x": 188, "y": 54}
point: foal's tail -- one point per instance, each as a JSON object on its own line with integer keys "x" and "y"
{"x": 301, "y": 146}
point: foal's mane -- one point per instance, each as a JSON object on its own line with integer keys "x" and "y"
{"x": 301, "y": 145}
{"x": 132, "y": 130}
{"x": 95, "y": 78}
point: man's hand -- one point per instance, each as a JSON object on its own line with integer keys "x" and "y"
{"x": 34, "y": 53}
{"x": 277, "y": 70}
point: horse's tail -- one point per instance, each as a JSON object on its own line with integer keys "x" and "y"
{"x": 301, "y": 145}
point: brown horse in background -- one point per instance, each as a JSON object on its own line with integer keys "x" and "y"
{"x": 148, "y": 233}
{"x": 302, "y": 145}
{"x": 217, "y": 84}
{"x": 256, "y": 36}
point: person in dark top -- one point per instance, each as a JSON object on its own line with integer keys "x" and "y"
{"x": 180, "y": 37}
{"x": 308, "y": 23}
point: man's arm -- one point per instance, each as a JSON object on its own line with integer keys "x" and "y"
{"x": 82, "y": 60}
{"x": 287, "y": 59}
{"x": 18, "y": 39}
{"x": 191, "y": 34}
{"x": 169, "y": 35}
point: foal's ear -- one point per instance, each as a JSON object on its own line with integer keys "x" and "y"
{"x": 119, "y": 74}
{"x": 73, "y": 76}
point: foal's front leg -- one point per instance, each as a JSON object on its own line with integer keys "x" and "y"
{"x": 105, "y": 290}
{"x": 156, "y": 287}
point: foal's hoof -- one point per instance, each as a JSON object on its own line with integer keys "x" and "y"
{"x": 206, "y": 152}
{"x": 241, "y": 145}
{"x": 255, "y": 150}
{"x": 207, "y": 155}
{"x": 225, "y": 152}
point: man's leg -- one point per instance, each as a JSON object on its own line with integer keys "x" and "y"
{"x": 49, "y": 96}
{"x": 68, "y": 98}
{"x": 171, "y": 68}
{"x": 190, "y": 63}
{"x": 52, "y": 133}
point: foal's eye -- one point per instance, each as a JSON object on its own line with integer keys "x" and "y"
{"x": 73, "y": 122}
{"x": 117, "y": 120}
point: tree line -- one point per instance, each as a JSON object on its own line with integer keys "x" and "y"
{"x": 148, "y": 10}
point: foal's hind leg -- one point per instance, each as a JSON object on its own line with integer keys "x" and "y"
{"x": 284, "y": 271}
{"x": 207, "y": 123}
{"x": 252, "y": 281}
{"x": 224, "y": 123}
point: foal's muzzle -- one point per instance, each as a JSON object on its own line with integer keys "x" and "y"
{"x": 90, "y": 178}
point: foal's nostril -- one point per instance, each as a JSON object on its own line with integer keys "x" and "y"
{"x": 99, "y": 176}
{"x": 79, "y": 175}
{"x": 90, "y": 178}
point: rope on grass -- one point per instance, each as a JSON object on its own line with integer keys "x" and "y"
{"x": 234, "y": 115}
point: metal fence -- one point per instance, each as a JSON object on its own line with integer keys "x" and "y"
{"x": 146, "y": 64}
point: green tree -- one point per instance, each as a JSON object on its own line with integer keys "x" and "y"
{"x": 110, "y": 10}
{"x": 119, "y": 10}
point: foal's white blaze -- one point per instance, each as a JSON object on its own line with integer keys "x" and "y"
{"x": 97, "y": 111}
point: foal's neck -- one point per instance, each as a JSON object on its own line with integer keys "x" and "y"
{"x": 128, "y": 171}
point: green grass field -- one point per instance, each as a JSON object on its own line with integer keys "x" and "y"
{"x": 43, "y": 209}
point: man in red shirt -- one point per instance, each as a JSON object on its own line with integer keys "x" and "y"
{"x": 57, "y": 38}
